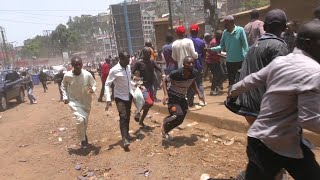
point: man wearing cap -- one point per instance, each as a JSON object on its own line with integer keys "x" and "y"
{"x": 290, "y": 104}
{"x": 260, "y": 54}
{"x": 234, "y": 42}
{"x": 254, "y": 29}
{"x": 182, "y": 47}
{"x": 199, "y": 46}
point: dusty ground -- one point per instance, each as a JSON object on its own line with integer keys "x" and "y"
{"x": 30, "y": 146}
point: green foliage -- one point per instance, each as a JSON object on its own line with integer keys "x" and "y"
{"x": 252, "y": 4}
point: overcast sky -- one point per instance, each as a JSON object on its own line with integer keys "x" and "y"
{"x": 23, "y": 19}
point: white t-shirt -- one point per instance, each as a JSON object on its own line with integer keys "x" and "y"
{"x": 182, "y": 48}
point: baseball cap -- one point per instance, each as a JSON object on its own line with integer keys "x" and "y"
{"x": 194, "y": 27}
{"x": 180, "y": 30}
{"x": 275, "y": 15}
{"x": 227, "y": 18}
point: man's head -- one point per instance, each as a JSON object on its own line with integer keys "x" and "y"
{"x": 290, "y": 27}
{"x": 146, "y": 53}
{"x": 124, "y": 59}
{"x": 148, "y": 44}
{"x": 107, "y": 60}
{"x": 317, "y": 13}
{"x": 76, "y": 63}
{"x": 188, "y": 63}
{"x": 275, "y": 22}
{"x": 180, "y": 31}
{"x": 254, "y": 14}
{"x": 194, "y": 29}
{"x": 169, "y": 38}
{"x": 228, "y": 22}
{"x": 207, "y": 37}
{"x": 218, "y": 35}
{"x": 309, "y": 39}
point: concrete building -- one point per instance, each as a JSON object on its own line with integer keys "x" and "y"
{"x": 127, "y": 26}
{"x": 147, "y": 18}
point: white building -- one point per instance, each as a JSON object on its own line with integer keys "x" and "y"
{"x": 148, "y": 18}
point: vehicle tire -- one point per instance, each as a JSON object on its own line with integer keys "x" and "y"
{"x": 20, "y": 98}
{"x": 3, "y": 103}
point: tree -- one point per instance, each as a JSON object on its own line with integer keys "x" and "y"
{"x": 65, "y": 39}
{"x": 252, "y": 4}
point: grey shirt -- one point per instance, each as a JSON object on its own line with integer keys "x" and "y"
{"x": 291, "y": 102}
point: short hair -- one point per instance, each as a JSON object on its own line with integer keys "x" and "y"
{"x": 123, "y": 54}
{"x": 107, "y": 60}
{"x": 169, "y": 37}
{"x": 254, "y": 14}
{"x": 74, "y": 58}
{"x": 308, "y": 32}
{"x": 187, "y": 58}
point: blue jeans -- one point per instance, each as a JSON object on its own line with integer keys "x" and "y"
{"x": 30, "y": 95}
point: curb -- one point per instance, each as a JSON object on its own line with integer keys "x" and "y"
{"x": 228, "y": 124}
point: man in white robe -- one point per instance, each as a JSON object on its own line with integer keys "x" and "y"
{"x": 77, "y": 88}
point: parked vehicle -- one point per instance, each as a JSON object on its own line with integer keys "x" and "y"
{"x": 11, "y": 87}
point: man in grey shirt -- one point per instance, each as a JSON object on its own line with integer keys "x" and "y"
{"x": 291, "y": 103}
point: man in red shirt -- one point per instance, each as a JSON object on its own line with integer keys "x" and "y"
{"x": 214, "y": 64}
{"x": 104, "y": 74}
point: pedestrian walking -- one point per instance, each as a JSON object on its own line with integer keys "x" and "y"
{"x": 77, "y": 87}
{"x": 182, "y": 47}
{"x": 289, "y": 105}
{"x": 171, "y": 64}
{"x": 234, "y": 41}
{"x": 179, "y": 82}
{"x": 199, "y": 46}
{"x": 104, "y": 74}
{"x": 29, "y": 88}
{"x": 214, "y": 63}
{"x": 59, "y": 78}
{"x": 145, "y": 68}
{"x": 289, "y": 36}
{"x": 120, "y": 76}
{"x": 43, "y": 80}
{"x": 254, "y": 29}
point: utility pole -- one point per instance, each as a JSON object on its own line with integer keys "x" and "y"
{"x": 7, "y": 59}
{"x": 170, "y": 16}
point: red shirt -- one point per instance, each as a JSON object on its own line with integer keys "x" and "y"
{"x": 104, "y": 72}
{"x": 212, "y": 57}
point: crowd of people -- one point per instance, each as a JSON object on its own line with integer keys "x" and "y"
{"x": 273, "y": 74}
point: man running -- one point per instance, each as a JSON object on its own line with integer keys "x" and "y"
{"x": 146, "y": 68}
{"x": 120, "y": 76}
{"x": 180, "y": 81}
{"x": 77, "y": 88}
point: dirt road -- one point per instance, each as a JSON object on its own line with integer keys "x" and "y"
{"x": 39, "y": 142}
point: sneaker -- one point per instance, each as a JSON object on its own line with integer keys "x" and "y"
{"x": 35, "y": 102}
{"x": 166, "y": 136}
{"x": 137, "y": 117}
{"x": 201, "y": 103}
{"x": 213, "y": 93}
{"x": 126, "y": 143}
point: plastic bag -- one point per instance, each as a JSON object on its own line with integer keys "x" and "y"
{"x": 138, "y": 99}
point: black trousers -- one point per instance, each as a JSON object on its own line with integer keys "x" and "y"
{"x": 102, "y": 91}
{"x": 265, "y": 164}
{"x": 44, "y": 85}
{"x": 232, "y": 68}
{"x": 178, "y": 108}
{"x": 124, "y": 109}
